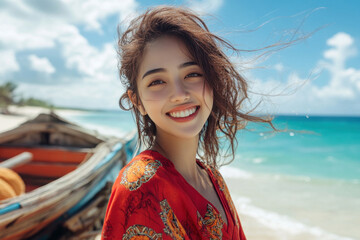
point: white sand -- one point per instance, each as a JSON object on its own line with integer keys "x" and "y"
{"x": 21, "y": 114}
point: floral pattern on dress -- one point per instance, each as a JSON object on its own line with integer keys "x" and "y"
{"x": 222, "y": 186}
{"x": 139, "y": 172}
{"x": 172, "y": 225}
{"x": 211, "y": 223}
{"x": 140, "y": 232}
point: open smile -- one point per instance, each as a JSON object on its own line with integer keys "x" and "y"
{"x": 184, "y": 115}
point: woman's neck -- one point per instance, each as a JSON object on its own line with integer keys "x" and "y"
{"x": 181, "y": 152}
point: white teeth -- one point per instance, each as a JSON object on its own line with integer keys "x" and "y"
{"x": 184, "y": 113}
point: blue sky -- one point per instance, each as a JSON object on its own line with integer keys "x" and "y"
{"x": 63, "y": 51}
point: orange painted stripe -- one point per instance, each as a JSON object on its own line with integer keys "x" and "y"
{"x": 45, "y": 155}
{"x": 45, "y": 170}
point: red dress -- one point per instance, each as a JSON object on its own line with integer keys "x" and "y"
{"x": 151, "y": 200}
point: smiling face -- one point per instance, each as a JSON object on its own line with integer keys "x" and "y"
{"x": 172, "y": 89}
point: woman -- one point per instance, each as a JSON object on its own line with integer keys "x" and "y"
{"x": 182, "y": 89}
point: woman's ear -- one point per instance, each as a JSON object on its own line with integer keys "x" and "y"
{"x": 135, "y": 102}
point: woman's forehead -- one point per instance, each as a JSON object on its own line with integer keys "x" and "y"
{"x": 165, "y": 51}
{"x": 164, "y": 41}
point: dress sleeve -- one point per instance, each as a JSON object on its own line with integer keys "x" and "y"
{"x": 132, "y": 214}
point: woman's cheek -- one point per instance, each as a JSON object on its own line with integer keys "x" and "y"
{"x": 154, "y": 94}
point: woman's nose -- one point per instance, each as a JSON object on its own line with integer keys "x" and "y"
{"x": 179, "y": 92}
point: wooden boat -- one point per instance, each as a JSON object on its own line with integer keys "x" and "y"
{"x": 67, "y": 182}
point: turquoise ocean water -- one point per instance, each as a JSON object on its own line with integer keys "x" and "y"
{"x": 302, "y": 183}
{"x": 317, "y": 147}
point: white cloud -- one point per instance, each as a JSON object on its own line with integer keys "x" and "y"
{"x": 34, "y": 26}
{"x": 343, "y": 81}
{"x": 24, "y": 33}
{"x": 31, "y": 25}
{"x": 41, "y": 64}
{"x": 342, "y": 48}
{"x": 91, "y": 12}
{"x": 279, "y": 67}
{"x": 340, "y": 40}
{"x": 8, "y": 62}
{"x": 205, "y": 6}
{"x": 87, "y": 60}
{"x": 302, "y": 95}
{"x": 80, "y": 94}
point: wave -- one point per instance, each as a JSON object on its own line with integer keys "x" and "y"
{"x": 314, "y": 180}
{"x": 233, "y": 172}
{"x": 230, "y": 171}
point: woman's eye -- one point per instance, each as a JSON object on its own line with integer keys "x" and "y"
{"x": 156, "y": 82}
{"x": 193, "y": 75}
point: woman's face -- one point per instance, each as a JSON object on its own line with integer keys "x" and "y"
{"x": 172, "y": 89}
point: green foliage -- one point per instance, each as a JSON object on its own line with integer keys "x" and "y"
{"x": 8, "y": 97}
{"x": 34, "y": 102}
{"x": 7, "y": 94}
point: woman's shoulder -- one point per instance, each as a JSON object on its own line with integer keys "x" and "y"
{"x": 135, "y": 201}
{"x": 143, "y": 170}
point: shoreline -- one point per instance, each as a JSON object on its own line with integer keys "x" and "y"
{"x": 22, "y": 114}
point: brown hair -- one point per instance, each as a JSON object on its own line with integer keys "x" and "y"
{"x": 229, "y": 87}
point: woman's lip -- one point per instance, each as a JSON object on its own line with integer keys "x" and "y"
{"x": 185, "y": 119}
{"x": 182, "y": 108}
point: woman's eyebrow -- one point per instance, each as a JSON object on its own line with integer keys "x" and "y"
{"x": 156, "y": 70}
{"x": 187, "y": 64}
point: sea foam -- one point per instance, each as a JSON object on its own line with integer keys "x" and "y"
{"x": 233, "y": 172}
